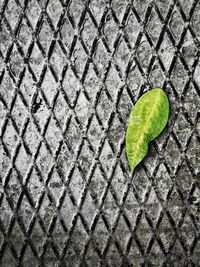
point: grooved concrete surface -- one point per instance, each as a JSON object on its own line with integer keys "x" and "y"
{"x": 70, "y": 72}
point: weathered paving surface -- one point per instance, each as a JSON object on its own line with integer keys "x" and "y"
{"x": 70, "y": 72}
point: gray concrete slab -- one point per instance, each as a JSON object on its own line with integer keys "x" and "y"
{"x": 70, "y": 72}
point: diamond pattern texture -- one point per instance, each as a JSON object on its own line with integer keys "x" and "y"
{"x": 70, "y": 72}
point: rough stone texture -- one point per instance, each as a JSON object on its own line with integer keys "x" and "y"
{"x": 70, "y": 72}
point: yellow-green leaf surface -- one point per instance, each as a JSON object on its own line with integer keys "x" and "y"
{"x": 146, "y": 121}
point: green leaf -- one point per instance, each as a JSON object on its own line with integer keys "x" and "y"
{"x": 146, "y": 121}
